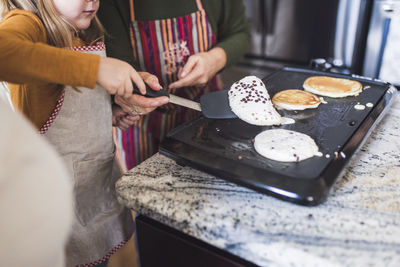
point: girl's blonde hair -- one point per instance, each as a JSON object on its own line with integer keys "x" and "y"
{"x": 59, "y": 31}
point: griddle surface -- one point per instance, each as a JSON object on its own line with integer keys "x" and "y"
{"x": 225, "y": 147}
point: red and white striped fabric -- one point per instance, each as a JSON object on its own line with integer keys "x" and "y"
{"x": 97, "y": 47}
{"x": 106, "y": 257}
{"x": 53, "y": 115}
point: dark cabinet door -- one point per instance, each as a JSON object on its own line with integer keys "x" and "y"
{"x": 160, "y": 245}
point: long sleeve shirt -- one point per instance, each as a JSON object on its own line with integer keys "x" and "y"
{"x": 227, "y": 19}
{"x": 35, "y": 70}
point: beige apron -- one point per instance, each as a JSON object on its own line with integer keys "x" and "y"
{"x": 81, "y": 130}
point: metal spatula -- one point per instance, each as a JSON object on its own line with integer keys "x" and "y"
{"x": 213, "y": 105}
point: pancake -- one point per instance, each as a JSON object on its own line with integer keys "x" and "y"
{"x": 285, "y": 145}
{"x": 250, "y": 101}
{"x": 294, "y": 99}
{"x": 332, "y": 87}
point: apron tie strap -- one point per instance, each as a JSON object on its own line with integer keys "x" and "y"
{"x": 199, "y": 5}
{"x": 132, "y": 10}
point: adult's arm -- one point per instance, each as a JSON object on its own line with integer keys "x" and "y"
{"x": 232, "y": 28}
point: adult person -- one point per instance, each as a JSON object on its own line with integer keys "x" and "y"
{"x": 185, "y": 43}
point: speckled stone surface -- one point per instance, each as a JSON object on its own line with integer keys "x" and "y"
{"x": 358, "y": 225}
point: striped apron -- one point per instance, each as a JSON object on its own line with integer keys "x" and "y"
{"x": 162, "y": 47}
{"x": 80, "y": 128}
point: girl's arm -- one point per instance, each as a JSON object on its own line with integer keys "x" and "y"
{"x": 30, "y": 60}
{"x": 26, "y": 58}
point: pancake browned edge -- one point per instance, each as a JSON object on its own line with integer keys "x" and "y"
{"x": 332, "y": 87}
{"x": 294, "y": 99}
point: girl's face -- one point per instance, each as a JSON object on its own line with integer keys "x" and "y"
{"x": 77, "y": 12}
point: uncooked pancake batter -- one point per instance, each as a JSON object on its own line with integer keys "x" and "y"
{"x": 285, "y": 145}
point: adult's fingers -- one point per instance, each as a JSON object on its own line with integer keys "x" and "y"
{"x": 180, "y": 72}
{"x": 123, "y": 103}
{"x": 131, "y": 119}
{"x": 123, "y": 124}
{"x": 188, "y": 80}
{"x": 114, "y": 120}
{"x": 190, "y": 64}
{"x": 147, "y": 102}
{"x": 151, "y": 80}
{"x": 140, "y": 103}
{"x": 128, "y": 120}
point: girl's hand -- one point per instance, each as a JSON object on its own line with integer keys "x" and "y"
{"x": 200, "y": 68}
{"x": 116, "y": 77}
{"x": 122, "y": 119}
{"x": 138, "y": 104}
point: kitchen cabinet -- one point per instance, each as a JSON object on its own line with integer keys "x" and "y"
{"x": 172, "y": 248}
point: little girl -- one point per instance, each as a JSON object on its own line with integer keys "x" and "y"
{"x": 44, "y": 45}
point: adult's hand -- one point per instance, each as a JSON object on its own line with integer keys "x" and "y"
{"x": 122, "y": 119}
{"x": 200, "y": 68}
{"x": 116, "y": 76}
{"x": 138, "y": 104}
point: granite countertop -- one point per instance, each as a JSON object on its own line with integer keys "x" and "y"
{"x": 358, "y": 225}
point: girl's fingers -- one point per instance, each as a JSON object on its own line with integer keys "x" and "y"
{"x": 135, "y": 77}
{"x": 121, "y": 91}
{"x": 128, "y": 90}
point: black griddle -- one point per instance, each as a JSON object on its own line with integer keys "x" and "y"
{"x": 224, "y": 147}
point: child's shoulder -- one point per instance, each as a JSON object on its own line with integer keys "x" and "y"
{"x": 24, "y": 21}
{"x": 22, "y": 15}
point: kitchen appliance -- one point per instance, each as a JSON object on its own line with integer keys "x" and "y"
{"x": 224, "y": 147}
{"x": 294, "y": 32}
{"x": 330, "y": 35}
{"x": 382, "y": 54}
{"x": 340, "y": 36}
{"x": 291, "y": 31}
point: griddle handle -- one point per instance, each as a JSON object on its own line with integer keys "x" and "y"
{"x": 150, "y": 92}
